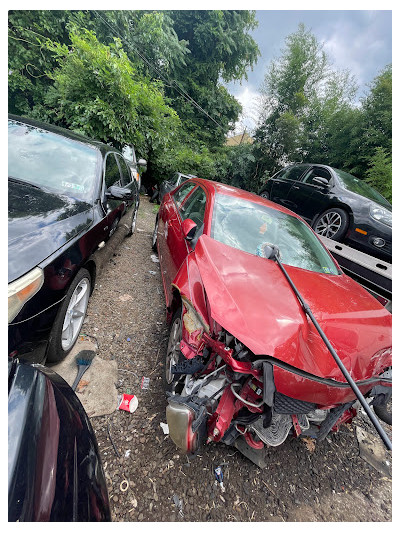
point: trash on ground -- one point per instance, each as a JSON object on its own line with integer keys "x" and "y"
{"x": 310, "y": 443}
{"x": 154, "y": 258}
{"x": 219, "y": 477}
{"x": 128, "y": 339}
{"x": 178, "y": 504}
{"x": 145, "y": 383}
{"x": 81, "y": 385}
{"x": 128, "y": 402}
{"x": 165, "y": 428}
{"x": 124, "y": 486}
{"x": 152, "y": 272}
{"x": 127, "y": 453}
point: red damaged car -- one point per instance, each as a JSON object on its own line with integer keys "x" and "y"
{"x": 259, "y": 314}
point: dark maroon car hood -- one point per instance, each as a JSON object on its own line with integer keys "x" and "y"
{"x": 39, "y": 223}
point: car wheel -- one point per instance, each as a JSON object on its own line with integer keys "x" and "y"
{"x": 154, "y": 239}
{"x": 265, "y": 195}
{"x": 333, "y": 224}
{"x": 173, "y": 354}
{"x": 384, "y": 412}
{"x": 70, "y": 317}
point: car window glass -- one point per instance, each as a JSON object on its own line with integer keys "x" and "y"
{"x": 250, "y": 226}
{"x": 295, "y": 173}
{"x": 194, "y": 208}
{"x": 112, "y": 175}
{"x": 351, "y": 183}
{"x": 125, "y": 173}
{"x": 52, "y": 161}
{"x": 182, "y": 192}
{"x": 316, "y": 172}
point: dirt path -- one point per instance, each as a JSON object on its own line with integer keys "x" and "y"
{"x": 127, "y": 317}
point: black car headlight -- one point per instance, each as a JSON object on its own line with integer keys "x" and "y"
{"x": 22, "y": 290}
{"x": 381, "y": 214}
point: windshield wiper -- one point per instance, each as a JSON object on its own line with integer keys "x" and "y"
{"x": 18, "y": 180}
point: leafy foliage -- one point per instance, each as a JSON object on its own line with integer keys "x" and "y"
{"x": 379, "y": 173}
{"x": 220, "y": 48}
{"x": 97, "y": 91}
{"x": 68, "y": 68}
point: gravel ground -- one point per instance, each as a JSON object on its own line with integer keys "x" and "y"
{"x": 150, "y": 480}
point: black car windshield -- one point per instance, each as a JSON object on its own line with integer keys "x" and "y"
{"x": 248, "y": 226}
{"x": 51, "y": 161}
{"x": 353, "y": 184}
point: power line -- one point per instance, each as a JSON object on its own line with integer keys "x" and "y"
{"x": 177, "y": 87}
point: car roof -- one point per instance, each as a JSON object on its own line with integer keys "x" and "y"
{"x": 215, "y": 187}
{"x": 64, "y": 132}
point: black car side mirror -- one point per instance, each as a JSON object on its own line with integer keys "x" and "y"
{"x": 321, "y": 180}
{"x": 118, "y": 193}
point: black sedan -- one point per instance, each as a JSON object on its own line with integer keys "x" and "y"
{"x": 336, "y": 204}
{"x": 172, "y": 183}
{"x": 67, "y": 197}
{"x": 54, "y": 466}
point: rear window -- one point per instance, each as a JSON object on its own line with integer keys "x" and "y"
{"x": 248, "y": 226}
{"x": 51, "y": 161}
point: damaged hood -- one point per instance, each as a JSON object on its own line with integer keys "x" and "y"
{"x": 250, "y": 297}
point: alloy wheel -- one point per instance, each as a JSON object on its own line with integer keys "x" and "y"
{"x": 329, "y": 224}
{"x": 75, "y": 314}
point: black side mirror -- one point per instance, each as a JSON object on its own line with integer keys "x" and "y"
{"x": 118, "y": 193}
{"x": 321, "y": 180}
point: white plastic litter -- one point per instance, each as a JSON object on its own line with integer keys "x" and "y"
{"x": 165, "y": 428}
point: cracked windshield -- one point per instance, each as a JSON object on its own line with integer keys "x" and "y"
{"x": 249, "y": 226}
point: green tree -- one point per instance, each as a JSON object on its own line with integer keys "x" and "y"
{"x": 220, "y": 48}
{"x": 98, "y": 92}
{"x": 379, "y": 172}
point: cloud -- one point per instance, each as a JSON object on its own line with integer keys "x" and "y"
{"x": 248, "y": 98}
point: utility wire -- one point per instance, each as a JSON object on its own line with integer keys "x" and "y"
{"x": 175, "y": 85}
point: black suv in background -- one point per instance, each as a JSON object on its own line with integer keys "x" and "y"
{"x": 336, "y": 204}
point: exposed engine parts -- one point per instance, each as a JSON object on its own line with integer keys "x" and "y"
{"x": 223, "y": 392}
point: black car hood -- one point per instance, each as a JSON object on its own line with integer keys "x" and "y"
{"x": 39, "y": 223}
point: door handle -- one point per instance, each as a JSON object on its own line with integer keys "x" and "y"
{"x": 295, "y": 187}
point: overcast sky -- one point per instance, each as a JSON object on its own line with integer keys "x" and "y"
{"x": 360, "y": 41}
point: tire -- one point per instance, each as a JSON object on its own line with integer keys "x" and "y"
{"x": 173, "y": 354}
{"x": 265, "y": 194}
{"x": 76, "y": 301}
{"x": 332, "y": 223}
{"x": 384, "y": 412}
{"x": 154, "y": 238}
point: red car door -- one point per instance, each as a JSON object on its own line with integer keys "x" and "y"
{"x": 172, "y": 246}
